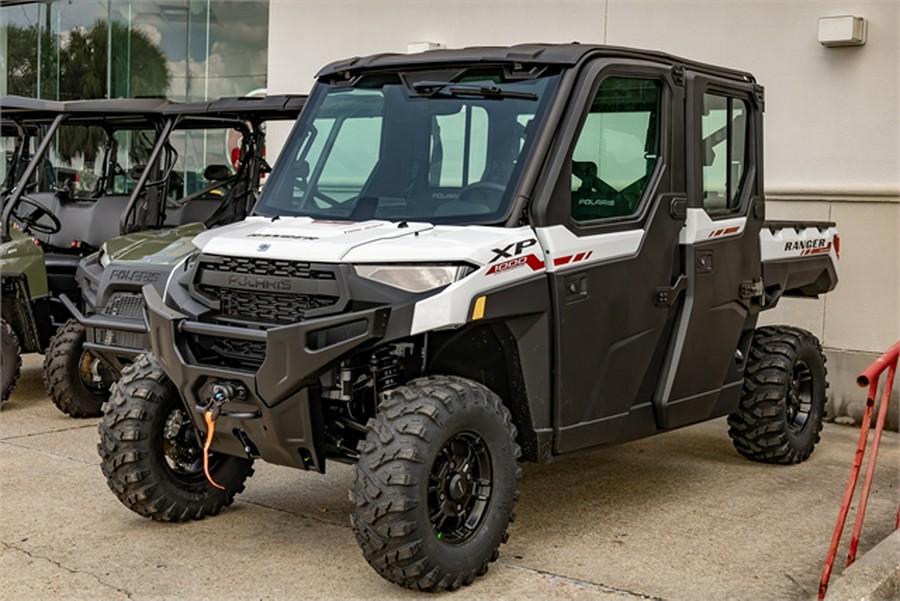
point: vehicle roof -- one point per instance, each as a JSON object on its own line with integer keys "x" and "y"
{"x": 563, "y": 55}
{"x": 244, "y": 108}
{"x": 21, "y": 107}
{"x": 135, "y": 112}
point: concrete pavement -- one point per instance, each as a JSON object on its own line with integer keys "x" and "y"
{"x": 678, "y": 516}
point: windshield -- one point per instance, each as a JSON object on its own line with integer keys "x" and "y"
{"x": 410, "y": 147}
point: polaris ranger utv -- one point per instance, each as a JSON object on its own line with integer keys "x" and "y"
{"x": 110, "y": 329}
{"x": 51, "y": 217}
{"x": 18, "y": 138}
{"x": 464, "y": 258}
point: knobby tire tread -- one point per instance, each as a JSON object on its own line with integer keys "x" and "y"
{"x": 409, "y": 420}
{"x": 70, "y": 396}
{"x": 11, "y": 352}
{"x": 759, "y": 427}
{"x": 133, "y": 466}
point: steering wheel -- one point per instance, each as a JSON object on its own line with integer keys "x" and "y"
{"x": 482, "y": 191}
{"x": 31, "y": 221}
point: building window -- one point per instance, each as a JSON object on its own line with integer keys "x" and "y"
{"x": 190, "y": 50}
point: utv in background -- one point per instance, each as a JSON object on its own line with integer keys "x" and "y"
{"x": 468, "y": 257}
{"x": 18, "y": 140}
{"x": 193, "y": 154}
{"x": 51, "y": 218}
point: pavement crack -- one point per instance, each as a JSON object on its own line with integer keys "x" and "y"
{"x": 51, "y": 454}
{"x": 580, "y": 583}
{"x": 295, "y": 514}
{"x": 45, "y": 432}
{"x": 58, "y": 564}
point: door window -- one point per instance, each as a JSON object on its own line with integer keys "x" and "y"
{"x": 616, "y": 150}
{"x": 724, "y": 152}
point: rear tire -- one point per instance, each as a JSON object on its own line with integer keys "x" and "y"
{"x": 151, "y": 455}
{"x": 77, "y": 382}
{"x": 10, "y": 360}
{"x": 435, "y": 483}
{"x": 783, "y": 402}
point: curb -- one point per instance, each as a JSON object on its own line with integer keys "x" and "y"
{"x": 874, "y": 577}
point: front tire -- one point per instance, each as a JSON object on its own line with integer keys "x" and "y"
{"x": 77, "y": 382}
{"x": 10, "y": 360}
{"x": 151, "y": 455}
{"x": 783, "y": 402}
{"x": 435, "y": 484}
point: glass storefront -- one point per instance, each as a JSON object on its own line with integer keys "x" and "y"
{"x": 182, "y": 49}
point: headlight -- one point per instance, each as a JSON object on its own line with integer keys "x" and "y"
{"x": 414, "y": 278}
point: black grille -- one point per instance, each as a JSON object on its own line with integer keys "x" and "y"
{"x": 246, "y": 350}
{"x": 288, "y": 269}
{"x": 122, "y": 304}
{"x": 312, "y": 286}
{"x": 265, "y": 306}
{"x": 118, "y": 338}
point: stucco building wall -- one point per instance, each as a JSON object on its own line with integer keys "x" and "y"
{"x": 832, "y": 140}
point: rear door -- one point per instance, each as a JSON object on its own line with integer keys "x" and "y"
{"x": 721, "y": 265}
{"x": 610, "y": 230}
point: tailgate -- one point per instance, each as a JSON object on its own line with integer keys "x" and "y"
{"x": 800, "y": 258}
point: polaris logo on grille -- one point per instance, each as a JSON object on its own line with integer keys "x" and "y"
{"x": 258, "y": 282}
{"x": 128, "y": 275}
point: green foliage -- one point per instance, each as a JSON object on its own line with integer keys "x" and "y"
{"x": 78, "y": 66}
{"x": 22, "y": 62}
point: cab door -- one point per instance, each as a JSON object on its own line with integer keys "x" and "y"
{"x": 720, "y": 251}
{"x": 610, "y": 229}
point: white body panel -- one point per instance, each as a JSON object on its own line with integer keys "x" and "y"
{"x": 501, "y": 256}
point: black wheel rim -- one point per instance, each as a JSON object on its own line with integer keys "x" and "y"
{"x": 800, "y": 397}
{"x": 459, "y": 488}
{"x": 93, "y": 374}
{"x": 182, "y": 453}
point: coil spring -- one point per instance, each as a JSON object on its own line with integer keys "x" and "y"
{"x": 385, "y": 369}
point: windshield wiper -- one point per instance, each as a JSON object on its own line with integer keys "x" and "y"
{"x": 447, "y": 89}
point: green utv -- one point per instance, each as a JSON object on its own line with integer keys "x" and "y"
{"x": 61, "y": 200}
{"x": 18, "y": 136}
{"x": 213, "y": 151}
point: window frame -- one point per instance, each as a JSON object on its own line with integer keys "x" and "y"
{"x": 700, "y": 85}
{"x": 734, "y": 191}
{"x": 660, "y": 125}
{"x": 552, "y": 204}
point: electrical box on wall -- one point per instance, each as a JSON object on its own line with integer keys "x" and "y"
{"x": 415, "y": 47}
{"x": 844, "y": 30}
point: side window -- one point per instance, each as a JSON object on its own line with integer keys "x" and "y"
{"x": 617, "y": 149}
{"x": 724, "y": 151}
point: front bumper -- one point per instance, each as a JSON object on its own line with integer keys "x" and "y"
{"x": 277, "y": 419}
{"x": 112, "y": 339}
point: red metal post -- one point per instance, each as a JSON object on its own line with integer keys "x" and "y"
{"x": 868, "y": 378}
{"x": 870, "y": 468}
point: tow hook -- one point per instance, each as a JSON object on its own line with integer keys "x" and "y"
{"x": 221, "y": 393}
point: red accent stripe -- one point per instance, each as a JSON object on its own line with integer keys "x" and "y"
{"x": 578, "y": 257}
{"x": 534, "y": 262}
{"x": 562, "y": 260}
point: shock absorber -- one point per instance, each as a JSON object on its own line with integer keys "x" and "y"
{"x": 385, "y": 369}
